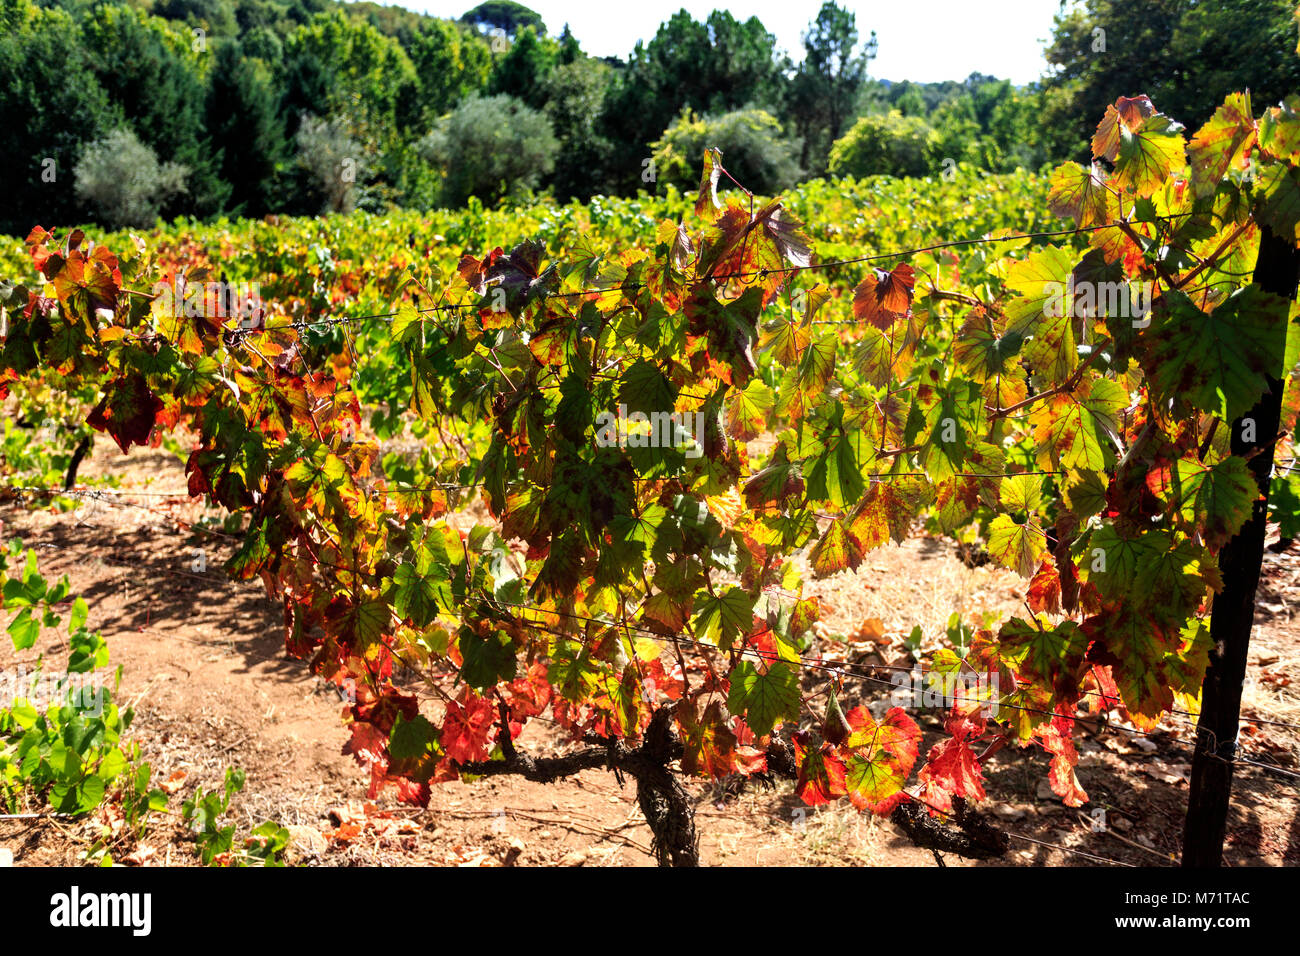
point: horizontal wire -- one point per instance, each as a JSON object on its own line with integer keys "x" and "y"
{"x": 755, "y": 653}
{"x": 1066, "y": 849}
{"x": 950, "y": 243}
{"x": 632, "y": 287}
{"x": 660, "y": 637}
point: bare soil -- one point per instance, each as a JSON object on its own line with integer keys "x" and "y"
{"x": 203, "y": 663}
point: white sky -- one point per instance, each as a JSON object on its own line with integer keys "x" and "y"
{"x": 922, "y": 40}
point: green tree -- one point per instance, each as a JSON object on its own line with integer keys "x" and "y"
{"x": 242, "y": 118}
{"x": 714, "y": 66}
{"x": 1183, "y": 54}
{"x": 958, "y": 133}
{"x": 828, "y": 81}
{"x": 215, "y": 17}
{"x": 570, "y": 49}
{"x": 574, "y": 94}
{"x": 491, "y": 147}
{"x": 891, "y": 145}
{"x": 14, "y": 14}
{"x": 754, "y": 149}
{"x": 121, "y": 180}
{"x": 450, "y": 63}
{"x": 521, "y": 71}
{"x": 263, "y": 43}
{"x": 51, "y": 105}
{"x": 504, "y": 15}
{"x": 153, "y": 73}
{"x": 339, "y": 65}
{"x": 909, "y": 100}
{"x": 334, "y": 162}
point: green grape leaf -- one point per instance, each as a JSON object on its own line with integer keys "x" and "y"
{"x": 1217, "y": 362}
{"x": 488, "y": 658}
{"x": 1279, "y": 131}
{"x": 1078, "y": 430}
{"x": 721, "y": 618}
{"x": 749, "y": 409}
{"x": 838, "y": 549}
{"x": 415, "y": 596}
{"x": 764, "y": 698}
{"x": 1213, "y": 499}
{"x": 1079, "y": 194}
{"x": 1018, "y": 546}
{"x": 1049, "y": 653}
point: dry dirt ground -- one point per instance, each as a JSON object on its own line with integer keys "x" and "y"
{"x": 204, "y": 665}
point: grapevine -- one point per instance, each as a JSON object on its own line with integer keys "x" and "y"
{"x": 634, "y": 582}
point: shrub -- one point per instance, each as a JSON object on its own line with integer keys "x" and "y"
{"x": 121, "y": 180}
{"x": 754, "y": 149}
{"x": 490, "y": 147}
{"x": 333, "y": 161}
{"x": 886, "y": 144}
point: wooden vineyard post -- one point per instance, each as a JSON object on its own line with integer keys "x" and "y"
{"x": 1277, "y": 271}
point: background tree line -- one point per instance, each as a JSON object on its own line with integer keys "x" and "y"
{"x": 126, "y": 110}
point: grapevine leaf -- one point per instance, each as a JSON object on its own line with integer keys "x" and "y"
{"x": 467, "y": 727}
{"x": 1062, "y": 776}
{"x": 1051, "y": 654}
{"x": 874, "y": 357}
{"x": 1220, "y": 143}
{"x": 882, "y": 298}
{"x": 644, "y": 388}
{"x": 1079, "y": 194}
{"x": 488, "y": 658}
{"x": 951, "y": 770}
{"x": 838, "y": 550}
{"x": 764, "y": 698}
{"x": 24, "y": 630}
{"x": 415, "y": 597}
{"x": 708, "y": 744}
{"x": 1076, "y": 430}
{"x": 786, "y": 233}
{"x": 888, "y": 510}
{"x": 1279, "y": 131}
{"x": 706, "y": 201}
{"x": 721, "y": 618}
{"x": 1214, "y": 499}
{"x": 1144, "y": 146}
{"x": 881, "y": 756}
{"x": 747, "y": 415}
{"x": 254, "y": 552}
{"x": 1084, "y": 492}
{"x": 822, "y": 775}
{"x": 1018, "y": 546}
{"x": 1216, "y": 362}
{"x": 128, "y": 411}
{"x": 1135, "y": 647}
{"x": 1279, "y": 208}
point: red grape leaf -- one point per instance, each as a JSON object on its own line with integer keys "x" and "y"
{"x": 951, "y": 770}
{"x": 128, "y": 411}
{"x": 882, "y": 298}
{"x": 822, "y": 775}
{"x": 467, "y": 727}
